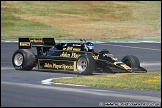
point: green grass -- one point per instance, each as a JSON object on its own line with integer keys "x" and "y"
{"x": 75, "y": 19}
{"x": 136, "y": 81}
{"x": 14, "y": 28}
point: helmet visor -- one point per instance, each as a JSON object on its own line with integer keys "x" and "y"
{"x": 91, "y": 47}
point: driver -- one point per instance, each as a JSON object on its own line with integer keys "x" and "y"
{"x": 89, "y": 47}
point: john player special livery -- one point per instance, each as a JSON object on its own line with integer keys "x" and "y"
{"x": 76, "y": 57}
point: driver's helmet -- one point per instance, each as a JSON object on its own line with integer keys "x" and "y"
{"x": 89, "y": 46}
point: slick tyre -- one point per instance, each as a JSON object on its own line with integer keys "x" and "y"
{"x": 131, "y": 61}
{"x": 23, "y": 59}
{"x": 85, "y": 65}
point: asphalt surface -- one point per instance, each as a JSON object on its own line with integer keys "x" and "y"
{"x": 24, "y": 88}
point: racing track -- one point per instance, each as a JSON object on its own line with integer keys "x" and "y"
{"x": 22, "y": 88}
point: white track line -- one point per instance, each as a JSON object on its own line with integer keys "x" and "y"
{"x": 150, "y": 64}
{"x": 48, "y": 82}
{"x": 7, "y": 68}
{"x": 133, "y": 47}
{"x": 71, "y": 85}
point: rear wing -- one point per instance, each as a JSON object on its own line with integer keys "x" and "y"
{"x": 27, "y": 43}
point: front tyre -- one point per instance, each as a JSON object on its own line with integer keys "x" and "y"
{"x": 23, "y": 59}
{"x": 85, "y": 65}
{"x": 131, "y": 61}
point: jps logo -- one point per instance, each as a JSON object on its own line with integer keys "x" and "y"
{"x": 95, "y": 57}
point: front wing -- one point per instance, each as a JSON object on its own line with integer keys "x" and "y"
{"x": 116, "y": 67}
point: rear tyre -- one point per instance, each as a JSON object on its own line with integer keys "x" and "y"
{"x": 131, "y": 61}
{"x": 85, "y": 65}
{"x": 23, "y": 59}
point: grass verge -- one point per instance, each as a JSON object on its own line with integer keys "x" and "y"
{"x": 80, "y": 19}
{"x": 14, "y": 28}
{"x": 136, "y": 81}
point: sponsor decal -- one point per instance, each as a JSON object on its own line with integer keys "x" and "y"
{"x": 109, "y": 55}
{"x": 65, "y": 54}
{"x": 76, "y": 49}
{"x": 36, "y": 40}
{"x": 95, "y": 57}
{"x": 64, "y": 48}
{"x": 24, "y": 43}
{"x": 72, "y": 49}
{"x": 57, "y": 65}
{"x": 76, "y": 45}
{"x": 125, "y": 66}
{"x": 73, "y": 54}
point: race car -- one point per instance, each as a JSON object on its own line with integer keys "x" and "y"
{"x": 79, "y": 57}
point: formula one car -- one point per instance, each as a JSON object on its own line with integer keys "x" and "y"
{"x": 76, "y": 57}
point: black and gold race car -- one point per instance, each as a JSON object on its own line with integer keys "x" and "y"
{"x": 76, "y": 57}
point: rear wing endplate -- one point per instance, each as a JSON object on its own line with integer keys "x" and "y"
{"x": 26, "y": 43}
